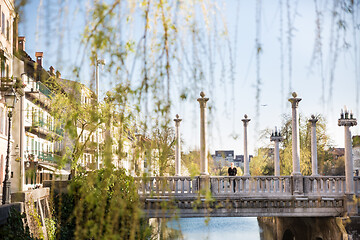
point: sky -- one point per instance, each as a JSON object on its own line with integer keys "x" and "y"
{"x": 231, "y": 98}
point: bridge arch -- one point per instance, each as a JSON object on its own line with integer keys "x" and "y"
{"x": 288, "y": 235}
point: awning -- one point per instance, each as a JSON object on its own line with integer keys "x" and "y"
{"x": 53, "y": 170}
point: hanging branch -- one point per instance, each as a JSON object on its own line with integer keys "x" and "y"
{"x": 258, "y": 52}
{"x": 166, "y": 47}
{"x": 334, "y": 45}
{"x": 289, "y": 39}
{"x": 356, "y": 28}
{"x": 281, "y": 40}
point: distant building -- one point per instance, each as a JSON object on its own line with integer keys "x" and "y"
{"x": 356, "y": 153}
{"x": 225, "y": 157}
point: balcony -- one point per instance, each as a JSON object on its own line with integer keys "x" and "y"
{"x": 45, "y": 130}
{"x": 40, "y": 93}
{"x": 38, "y": 156}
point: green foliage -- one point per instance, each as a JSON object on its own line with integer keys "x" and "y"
{"x": 262, "y": 163}
{"x": 14, "y": 229}
{"x": 50, "y": 225}
{"x": 101, "y": 205}
{"x": 191, "y": 161}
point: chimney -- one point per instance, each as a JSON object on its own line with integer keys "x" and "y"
{"x": 39, "y": 58}
{"x": 58, "y": 74}
{"x": 52, "y": 71}
{"x": 22, "y": 43}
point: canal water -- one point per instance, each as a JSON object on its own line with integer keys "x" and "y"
{"x": 221, "y": 228}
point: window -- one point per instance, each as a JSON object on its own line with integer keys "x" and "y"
{"x": 2, "y": 117}
{"x": 3, "y": 23}
{"x": 3, "y": 65}
{"x": 32, "y": 146}
{"x": 6, "y": 123}
{"x": 7, "y": 30}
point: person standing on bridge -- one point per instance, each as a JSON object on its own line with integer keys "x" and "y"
{"x": 232, "y": 171}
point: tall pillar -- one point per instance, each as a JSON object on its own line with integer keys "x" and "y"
{"x": 203, "y": 150}
{"x": 177, "y": 147}
{"x": 314, "y": 163}
{"x": 276, "y": 138}
{"x": 295, "y": 134}
{"x": 246, "y": 120}
{"x": 348, "y": 121}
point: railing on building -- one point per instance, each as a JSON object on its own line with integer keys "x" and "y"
{"x": 40, "y": 156}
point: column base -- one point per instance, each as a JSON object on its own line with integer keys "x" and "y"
{"x": 297, "y": 184}
{"x": 246, "y": 175}
{"x": 204, "y": 184}
{"x": 351, "y": 204}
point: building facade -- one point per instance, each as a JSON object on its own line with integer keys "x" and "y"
{"x": 7, "y": 16}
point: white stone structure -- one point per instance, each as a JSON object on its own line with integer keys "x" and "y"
{"x": 314, "y": 164}
{"x": 203, "y": 148}
{"x": 276, "y": 138}
{"x": 295, "y": 134}
{"x": 177, "y": 121}
{"x": 246, "y": 121}
{"x": 347, "y": 120}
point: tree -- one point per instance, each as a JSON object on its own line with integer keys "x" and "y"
{"x": 263, "y": 163}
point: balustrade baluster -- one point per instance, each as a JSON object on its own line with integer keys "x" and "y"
{"x": 151, "y": 185}
{"x": 182, "y": 185}
{"x": 176, "y": 185}
{"x": 157, "y": 186}
{"x": 143, "y": 186}
{"x": 190, "y": 190}
{"x": 318, "y": 185}
{"x": 331, "y": 185}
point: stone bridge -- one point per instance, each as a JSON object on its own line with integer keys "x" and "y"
{"x": 214, "y": 196}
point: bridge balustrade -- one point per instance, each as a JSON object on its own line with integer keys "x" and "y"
{"x": 243, "y": 186}
{"x": 324, "y": 185}
{"x": 255, "y": 186}
{"x": 165, "y": 186}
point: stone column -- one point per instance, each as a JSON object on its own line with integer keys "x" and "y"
{"x": 276, "y": 138}
{"x": 348, "y": 121}
{"x": 295, "y": 134}
{"x": 203, "y": 150}
{"x": 314, "y": 163}
{"x": 177, "y": 147}
{"x": 246, "y": 120}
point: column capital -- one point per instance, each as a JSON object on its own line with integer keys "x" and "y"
{"x": 346, "y": 120}
{"x": 246, "y": 120}
{"x": 276, "y": 136}
{"x": 313, "y": 120}
{"x": 202, "y": 100}
{"x": 177, "y": 120}
{"x": 294, "y": 100}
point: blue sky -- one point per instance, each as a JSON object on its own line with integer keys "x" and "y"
{"x": 231, "y": 99}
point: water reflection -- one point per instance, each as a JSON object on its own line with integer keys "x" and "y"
{"x": 217, "y": 228}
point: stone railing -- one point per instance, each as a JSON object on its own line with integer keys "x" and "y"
{"x": 254, "y": 186}
{"x": 324, "y": 185}
{"x": 157, "y": 186}
{"x": 257, "y": 186}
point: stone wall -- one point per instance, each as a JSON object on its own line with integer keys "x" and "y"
{"x": 319, "y": 228}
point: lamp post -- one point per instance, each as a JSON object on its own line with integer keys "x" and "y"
{"x": 10, "y": 100}
{"x": 98, "y": 62}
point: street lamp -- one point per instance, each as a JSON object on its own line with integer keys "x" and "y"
{"x": 98, "y": 62}
{"x": 10, "y": 100}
